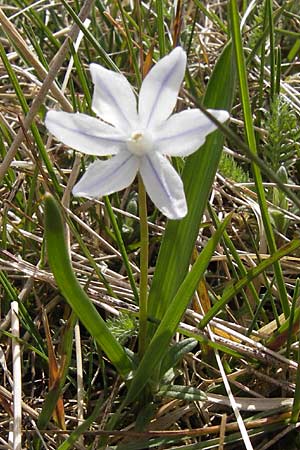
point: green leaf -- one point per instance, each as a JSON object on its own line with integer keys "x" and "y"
{"x": 198, "y": 175}
{"x": 161, "y": 27}
{"x": 61, "y": 267}
{"x": 175, "y": 353}
{"x": 188, "y": 393}
{"x": 159, "y": 344}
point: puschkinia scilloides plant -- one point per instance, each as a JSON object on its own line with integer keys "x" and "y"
{"x": 140, "y": 134}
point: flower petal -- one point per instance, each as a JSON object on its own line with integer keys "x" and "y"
{"x": 84, "y": 133}
{"x": 106, "y": 177}
{"x": 160, "y": 88}
{"x": 113, "y": 99}
{"x": 183, "y": 133}
{"x": 163, "y": 185}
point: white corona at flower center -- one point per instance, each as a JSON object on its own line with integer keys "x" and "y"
{"x": 140, "y": 142}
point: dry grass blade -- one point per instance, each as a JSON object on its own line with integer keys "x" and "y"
{"x": 17, "y": 377}
{"x": 21, "y": 46}
{"x": 54, "y": 375}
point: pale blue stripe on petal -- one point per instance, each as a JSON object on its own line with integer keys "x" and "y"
{"x": 185, "y": 132}
{"x": 113, "y": 100}
{"x": 164, "y": 185}
{"x": 84, "y": 133}
{"x": 160, "y": 88}
{"x": 106, "y": 177}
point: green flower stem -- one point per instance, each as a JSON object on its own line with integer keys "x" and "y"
{"x": 143, "y": 303}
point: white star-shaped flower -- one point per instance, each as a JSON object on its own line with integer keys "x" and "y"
{"x": 140, "y": 137}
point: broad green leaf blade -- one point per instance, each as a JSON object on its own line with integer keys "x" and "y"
{"x": 159, "y": 344}
{"x": 72, "y": 291}
{"x": 198, "y": 175}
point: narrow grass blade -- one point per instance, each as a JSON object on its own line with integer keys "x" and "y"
{"x": 17, "y": 377}
{"x": 233, "y": 254}
{"x": 245, "y": 99}
{"x": 198, "y": 176}
{"x": 34, "y": 128}
{"x": 161, "y": 27}
{"x": 231, "y": 291}
{"x": 129, "y": 41}
{"x": 77, "y": 298}
{"x": 89, "y": 36}
{"x": 122, "y": 248}
{"x": 52, "y": 399}
{"x": 296, "y": 404}
{"x": 35, "y": 44}
{"x": 205, "y": 341}
{"x": 26, "y": 320}
{"x": 159, "y": 344}
{"x": 294, "y": 322}
{"x": 211, "y": 15}
{"x": 82, "y": 76}
{"x": 71, "y": 440}
{"x": 269, "y": 5}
